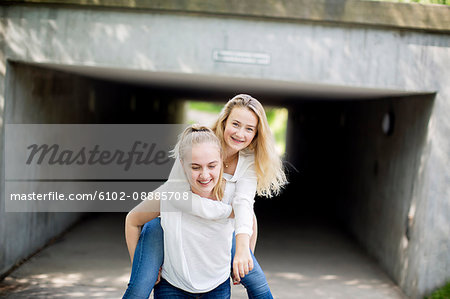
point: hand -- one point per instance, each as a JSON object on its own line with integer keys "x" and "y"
{"x": 159, "y": 276}
{"x": 235, "y": 281}
{"x": 242, "y": 264}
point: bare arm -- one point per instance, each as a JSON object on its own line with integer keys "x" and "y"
{"x": 243, "y": 262}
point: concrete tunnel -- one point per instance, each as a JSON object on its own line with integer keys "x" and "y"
{"x": 352, "y": 154}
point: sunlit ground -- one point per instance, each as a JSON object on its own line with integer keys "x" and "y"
{"x": 91, "y": 261}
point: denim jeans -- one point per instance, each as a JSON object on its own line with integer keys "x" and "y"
{"x": 165, "y": 290}
{"x": 149, "y": 256}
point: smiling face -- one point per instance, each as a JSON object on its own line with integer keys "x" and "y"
{"x": 203, "y": 168}
{"x": 240, "y": 129}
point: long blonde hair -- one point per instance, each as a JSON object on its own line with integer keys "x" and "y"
{"x": 269, "y": 167}
{"x": 197, "y": 134}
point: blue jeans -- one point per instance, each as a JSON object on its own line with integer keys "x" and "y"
{"x": 165, "y": 290}
{"x": 149, "y": 256}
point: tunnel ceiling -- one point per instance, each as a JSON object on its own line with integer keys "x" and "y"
{"x": 220, "y": 84}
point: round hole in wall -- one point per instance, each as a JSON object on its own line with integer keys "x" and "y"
{"x": 387, "y": 124}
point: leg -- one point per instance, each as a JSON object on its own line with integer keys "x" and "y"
{"x": 148, "y": 258}
{"x": 164, "y": 290}
{"x": 223, "y": 291}
{"x": 255, "y": 281}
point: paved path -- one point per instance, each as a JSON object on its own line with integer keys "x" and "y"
{"x": 91, "y": 261}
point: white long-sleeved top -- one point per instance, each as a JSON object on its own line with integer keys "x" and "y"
{"x": 197, "y": 250}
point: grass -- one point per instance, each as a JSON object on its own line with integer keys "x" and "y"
{"x": 442, "y": 293}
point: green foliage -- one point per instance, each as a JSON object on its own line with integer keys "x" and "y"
{"x": 442, "y": 293}
{"x": 277, "y": 119}
{"x": 205, "y": 106}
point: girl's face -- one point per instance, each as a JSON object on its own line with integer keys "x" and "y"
{"x": 240, "y": 128}
{"x": 203, "y": 168}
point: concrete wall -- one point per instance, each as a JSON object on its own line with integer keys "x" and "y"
{"x": 367, "y": 180}
{"x": 331, "y": 52}
{"x": 38, "y": 95}
{"x": 383, "y": 204}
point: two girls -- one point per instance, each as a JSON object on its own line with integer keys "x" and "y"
{"x": 250, "y": 165}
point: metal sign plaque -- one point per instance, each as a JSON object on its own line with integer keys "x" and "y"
{"x": 241, "y": 57}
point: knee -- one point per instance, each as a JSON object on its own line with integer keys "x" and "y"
{"x": 255, "y": 278}
{"x": 135, "y": 292}
{"x": 257, "y": 286}
{"x": 154, "y": 228}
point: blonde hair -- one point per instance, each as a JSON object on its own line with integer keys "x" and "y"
{"x": 197, "y": 134}
{"x": 269, "y": 167}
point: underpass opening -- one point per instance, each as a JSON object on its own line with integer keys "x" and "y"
{"x": 353, "y": 155}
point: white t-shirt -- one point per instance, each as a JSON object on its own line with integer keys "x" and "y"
{"x": 197, "y": 249}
